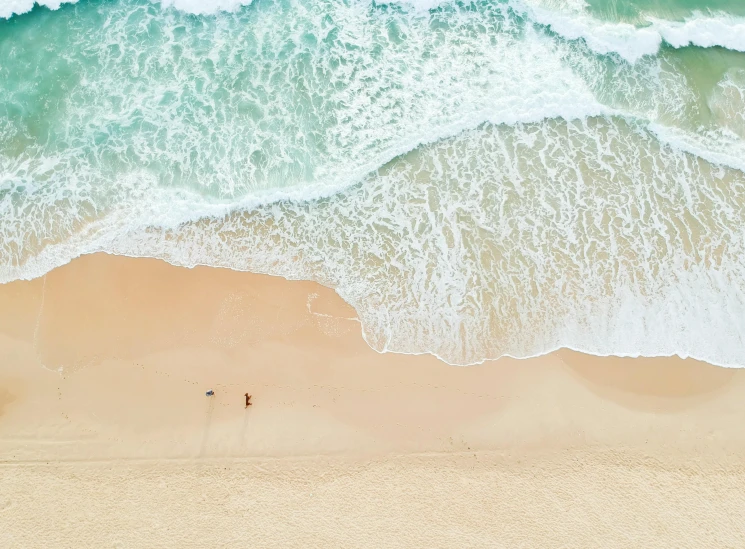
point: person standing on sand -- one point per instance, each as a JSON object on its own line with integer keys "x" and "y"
{"x": 248, "y": 400}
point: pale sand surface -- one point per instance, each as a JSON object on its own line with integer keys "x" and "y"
{"x": 108, "y": 440}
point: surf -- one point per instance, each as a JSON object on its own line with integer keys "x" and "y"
{"x": 475, "y": 181}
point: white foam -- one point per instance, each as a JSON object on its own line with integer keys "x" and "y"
{"x": 625, "y": 39}
{"x": 419, "y": 6}
{"x": 634, "y": 42}
{"x": 704, "y": 31}
{"x": 718, "y": 146}
{"x": 8, "y": 8}
{"x": 567, "y": 19}
{"x": 727, "y": 102}
{"x": 205, "y": 7}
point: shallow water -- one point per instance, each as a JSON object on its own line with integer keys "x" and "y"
{"x": 477, "y": 179}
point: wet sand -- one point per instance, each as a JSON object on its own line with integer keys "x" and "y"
{"x": 108, "y": 440}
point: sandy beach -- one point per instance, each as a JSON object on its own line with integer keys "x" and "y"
{"x": 108, "y": 440}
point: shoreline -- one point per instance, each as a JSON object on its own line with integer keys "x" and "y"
{"x": 386, "y": 443}
{"x": 507, "y": 356}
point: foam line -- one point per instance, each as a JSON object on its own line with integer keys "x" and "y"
{"x": 634, "y": 42}
{"x": 8, "y": 8}
{"x": 629, "y": 41}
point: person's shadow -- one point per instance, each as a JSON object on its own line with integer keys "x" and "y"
{"x": 244, "y": 427}
{"x": 207, "y": 422}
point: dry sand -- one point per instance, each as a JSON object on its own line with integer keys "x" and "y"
{"x": 108, "y": 440}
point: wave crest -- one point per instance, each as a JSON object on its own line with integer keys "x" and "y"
{"x": 9, "y": 8}
{"x": 633, "y": 42}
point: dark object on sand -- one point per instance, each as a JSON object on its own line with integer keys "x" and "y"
{"x": 248, "y": 400}
{"x": 210, "y": 393}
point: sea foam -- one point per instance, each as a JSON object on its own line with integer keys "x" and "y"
{"x": 8, "y": 8}
{"x": 202, "y": 7}
{"x": 633, "y": 42}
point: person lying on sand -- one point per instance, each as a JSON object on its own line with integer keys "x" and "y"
{"x": 248, "y": 400}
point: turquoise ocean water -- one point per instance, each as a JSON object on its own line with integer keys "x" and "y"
{"x": 477, "y": 179}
